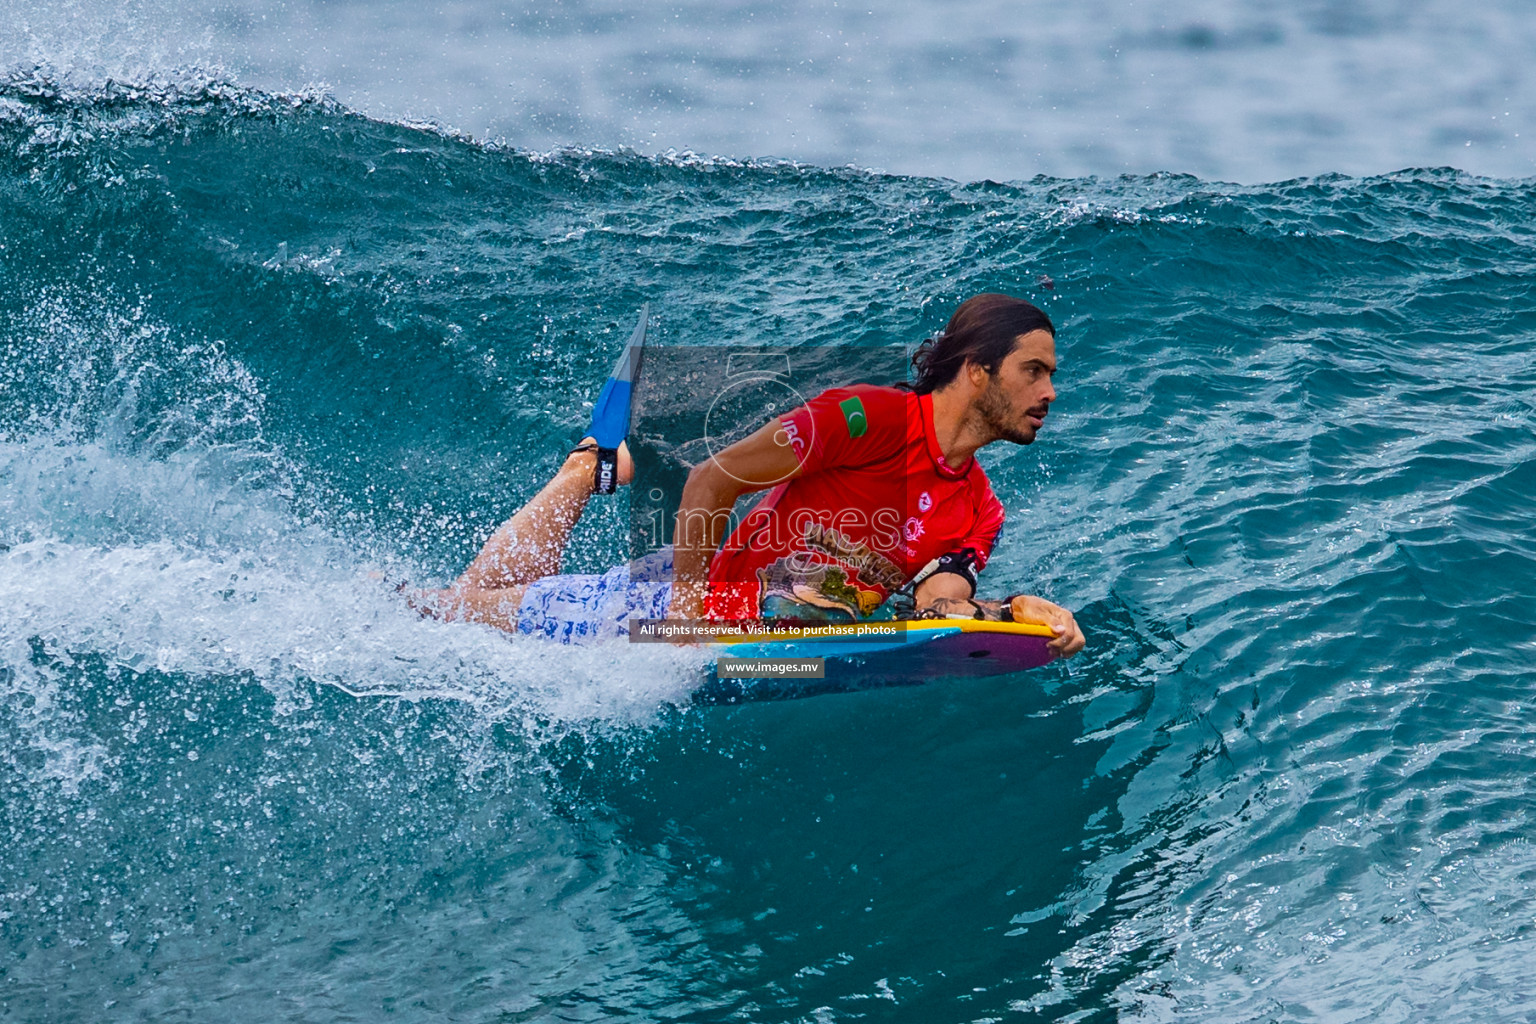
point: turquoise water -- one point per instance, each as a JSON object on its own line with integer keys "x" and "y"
{"x": 254, "y": 348}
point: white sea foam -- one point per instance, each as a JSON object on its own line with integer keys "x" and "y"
{"x": 286, "y": 621}
{"x": 164, "y": 536}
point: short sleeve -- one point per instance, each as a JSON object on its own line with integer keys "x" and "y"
{"x": 853, "y": 426}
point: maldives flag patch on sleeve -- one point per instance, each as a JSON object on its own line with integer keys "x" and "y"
{"x": 853, "y": 413}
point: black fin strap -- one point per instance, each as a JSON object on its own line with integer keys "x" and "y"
{"x": 607, "y": 470}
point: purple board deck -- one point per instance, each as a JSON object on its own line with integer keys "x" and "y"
{"x": 932, "y": 649}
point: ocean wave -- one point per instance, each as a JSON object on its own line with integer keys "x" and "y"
{"x": 257, "y": 346}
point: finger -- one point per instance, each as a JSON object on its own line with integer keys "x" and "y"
{"x": 1068, "y": 640}
{"x": 1058, "y": 643}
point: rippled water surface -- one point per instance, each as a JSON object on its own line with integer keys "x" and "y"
{"x": 1236, "y": 90}
{"x": 254, "y": 348}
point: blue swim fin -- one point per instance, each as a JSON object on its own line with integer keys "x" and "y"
{"x": 610, "y": 414}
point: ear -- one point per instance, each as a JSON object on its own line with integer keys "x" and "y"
{"x": 976, "y": 374}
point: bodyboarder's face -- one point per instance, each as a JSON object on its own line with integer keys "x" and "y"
{"x": 1019, "y": 393}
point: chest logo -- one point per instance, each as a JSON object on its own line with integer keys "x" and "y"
{"x": 913, "y": 529}
{"x": 853, "y": 413}
{"x": 924, "y": 502}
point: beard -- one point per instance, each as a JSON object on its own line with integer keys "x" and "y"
{"x": 1001, "y": 416}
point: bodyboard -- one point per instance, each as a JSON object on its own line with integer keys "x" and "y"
{"x": 925, "y": 650}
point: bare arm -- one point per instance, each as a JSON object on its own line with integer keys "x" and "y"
{"x": 755, "y": 463}
{"x": 948, "y": 593}
{"x": 942, "y": 586}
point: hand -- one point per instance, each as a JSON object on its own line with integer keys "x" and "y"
{"x": 1068, "y": 640}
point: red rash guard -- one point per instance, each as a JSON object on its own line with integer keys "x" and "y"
{"x": 874, "y": 502}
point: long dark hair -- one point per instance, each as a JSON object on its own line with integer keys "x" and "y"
{"x": 983, "y": 331}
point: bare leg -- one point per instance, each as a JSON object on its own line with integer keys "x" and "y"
{"x": 529, "y": 545}
{"x": 525, "y": 548}
{"x": 460, "y": 604}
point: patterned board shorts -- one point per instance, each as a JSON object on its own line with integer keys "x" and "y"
{"x": 582, "y": 608}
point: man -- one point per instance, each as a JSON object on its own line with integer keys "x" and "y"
{"x": 876, "y": 506}
{"x": 872, "y": 486}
